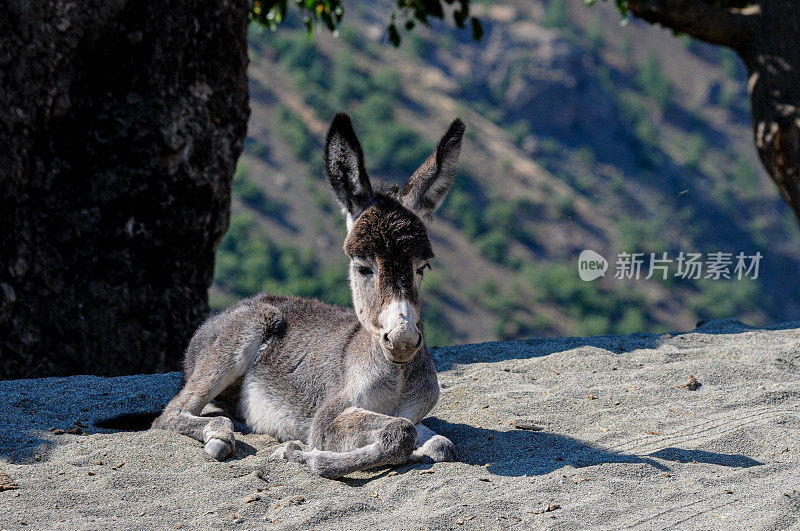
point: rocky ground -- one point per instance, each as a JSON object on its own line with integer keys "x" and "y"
{"x": 687, "y": 430}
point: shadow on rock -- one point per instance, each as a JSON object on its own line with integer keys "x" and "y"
{"x": 37, "y": 449}
{"x": 128, "y": 422}
{"x": 680, "y": 455}
{"x": 526, "y": 453}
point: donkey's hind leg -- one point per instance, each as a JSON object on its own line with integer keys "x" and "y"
{"x": 219, "y": 354}
{"x": 355, "y": 439}
{"x": 183, "y": 415}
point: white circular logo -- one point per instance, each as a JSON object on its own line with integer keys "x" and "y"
{"x": 591, "y": 265}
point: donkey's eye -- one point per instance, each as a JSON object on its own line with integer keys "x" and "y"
{"x": 421, "y": 270}
{"x": 364, "y": 270}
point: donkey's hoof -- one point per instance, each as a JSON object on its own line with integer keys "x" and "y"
{"x": 290, "y": 451}
{"x": 438, "y": 449}
{"x": 441, "y": 449}
{"x": 218, "y": 449}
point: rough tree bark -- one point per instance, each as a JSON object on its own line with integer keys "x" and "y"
{"x": 766, "y": 35}
{"x": 120, "y": 125}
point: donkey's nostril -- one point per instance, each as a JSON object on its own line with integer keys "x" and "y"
{"x": 386, "y": 338}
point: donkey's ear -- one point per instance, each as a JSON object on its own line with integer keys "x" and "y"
{"x": 344, "y": 166}
{"x": 426, "y": 189}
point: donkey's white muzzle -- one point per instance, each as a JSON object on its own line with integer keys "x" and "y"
{"x": 400, "y": 338}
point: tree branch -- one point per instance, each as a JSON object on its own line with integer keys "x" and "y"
{"x": 701, "y": 20}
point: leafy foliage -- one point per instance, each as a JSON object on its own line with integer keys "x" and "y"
{"x": 555, "y": 14}
{"x": 248, "y": 262}
{"x": 249, "y": 192}
{"x": 407, "y": 13}
{"x": 270, "y": 13}
{"x": 654, "y": 83}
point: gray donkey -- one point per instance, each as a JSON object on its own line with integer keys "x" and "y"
{"x": 353, "y": 384}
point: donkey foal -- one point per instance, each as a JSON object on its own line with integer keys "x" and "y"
{"x": 353, "y": 384}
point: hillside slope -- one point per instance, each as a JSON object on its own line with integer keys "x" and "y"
{"x": 581, "y": 135}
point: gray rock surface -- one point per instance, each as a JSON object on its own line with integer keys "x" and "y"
{"x": 623, "y": 443}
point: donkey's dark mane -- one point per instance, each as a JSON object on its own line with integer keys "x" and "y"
{"x": 388, "y": 230}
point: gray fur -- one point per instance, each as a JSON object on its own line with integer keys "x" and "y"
{"x": 352, "y": 384}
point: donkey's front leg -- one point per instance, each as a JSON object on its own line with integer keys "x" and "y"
{"x": 352, "y": 439}
{"x": 432, "y": 447}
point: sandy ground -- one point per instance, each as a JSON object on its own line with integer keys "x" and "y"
{"x": 621, "y": 445}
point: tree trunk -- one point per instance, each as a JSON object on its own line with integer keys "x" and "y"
{"x": 121, "y": 122}
{"x": 772, "y": 58}
{"x": 766, "y": 34}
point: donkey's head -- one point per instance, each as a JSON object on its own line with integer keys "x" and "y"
{"x": 387, "y": 241}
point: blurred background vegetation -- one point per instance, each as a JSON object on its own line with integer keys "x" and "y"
{"x": 581, "y": 135}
